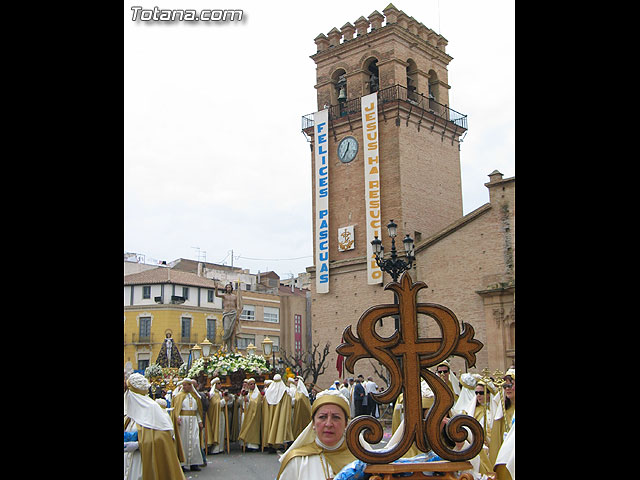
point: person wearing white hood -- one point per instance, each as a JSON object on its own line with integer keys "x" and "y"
{"x": 153, "y": 455}
{"x": 301, "y": 407}
{"x": 266, "y": 420}
{"x": 505, "y": 465}
{"x": 187, "y": 416}
{"x": 472, "y": 402}
{"x": 504, "y": 413}
{"x": 216, "y": 418}
{"x": 443, "y": 369}
{"x": 249, "y": 435}
{"x": 279, "y": 405}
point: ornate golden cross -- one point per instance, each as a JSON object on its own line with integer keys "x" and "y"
{"x": 407, "y": 359}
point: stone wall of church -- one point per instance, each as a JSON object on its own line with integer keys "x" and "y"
{"x": 473, "y": 257}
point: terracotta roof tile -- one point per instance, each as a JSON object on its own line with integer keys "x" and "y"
{"x": 167, "y": 275}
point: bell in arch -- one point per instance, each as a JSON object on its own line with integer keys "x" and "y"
{"x": 342, "y": 96}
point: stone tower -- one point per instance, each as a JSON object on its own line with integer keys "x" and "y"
{"x": 417, "y": 160}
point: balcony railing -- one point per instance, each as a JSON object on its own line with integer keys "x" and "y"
{"x": 187, "y": 340}
{"x": 395, "y": 93}
{"x": 136, "y": 338}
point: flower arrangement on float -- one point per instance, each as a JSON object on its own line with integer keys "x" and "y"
{"x": 162, "y": 377}
{"x": 183, "y": 370}
{"x": 152, "y": 371}
{"x": 225, "y": 363}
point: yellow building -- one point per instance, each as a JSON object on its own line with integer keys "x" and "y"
{"x": 163, "y": 299}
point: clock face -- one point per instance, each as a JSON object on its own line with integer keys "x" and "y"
{"x": 347, "y": 149}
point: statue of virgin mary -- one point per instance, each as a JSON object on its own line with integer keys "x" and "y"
{"x": 169, "y": 355}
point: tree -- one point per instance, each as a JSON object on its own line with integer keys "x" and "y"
{"x": 383, "y": 373}
{"x": 308, "y": 364}
{"x": 294, "y": 362}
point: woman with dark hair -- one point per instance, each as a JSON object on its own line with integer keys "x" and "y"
{"x": 503, "y": 423}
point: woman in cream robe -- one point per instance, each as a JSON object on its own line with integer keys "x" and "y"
{"x": 468, "y": 404}
{"x": 301, "y": 408}
{"x": 503, "y": 421}
{"x": 187, "y": 417}
{"x": 505, "y": 465}
{"x": 279, "y": 404}
{"x": 308, "y": 458}
{"x": 153, "y": 456}
{"x": 266, "y": 420}
{"x": 249, "y": 434}
{"x": 216, "y": 420}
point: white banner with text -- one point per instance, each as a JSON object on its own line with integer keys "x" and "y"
{"x": 370, "y": 137}
{"x": 321, "y": 174}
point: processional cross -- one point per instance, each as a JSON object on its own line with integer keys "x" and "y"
{"x": 407, "y": 359}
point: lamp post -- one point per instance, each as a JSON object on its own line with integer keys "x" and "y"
{"x": 206, "y": 348}
{"x": 196, "y": 352}
{"x": 267, "y": 348}
{"x": 394, "y": 266}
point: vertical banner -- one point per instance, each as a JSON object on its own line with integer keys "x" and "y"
{"x": 321, "y": 157}
{"x": 370, "y": 138}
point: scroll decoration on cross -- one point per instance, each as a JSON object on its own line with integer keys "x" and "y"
{"x": 407, "y": 359}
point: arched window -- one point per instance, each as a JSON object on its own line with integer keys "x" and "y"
{"x": 339, "y": 82}
{"x": 373, "y": 79}
{"x": 434, "y": 86}
{"x": 412, "y": 81}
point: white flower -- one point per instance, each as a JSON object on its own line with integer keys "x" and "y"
{"x": 153, "y": 370}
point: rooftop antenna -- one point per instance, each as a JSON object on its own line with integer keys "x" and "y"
{"x": 200, "y": 255}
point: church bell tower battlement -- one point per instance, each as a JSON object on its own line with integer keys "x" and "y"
{"x": 413, "y": 56}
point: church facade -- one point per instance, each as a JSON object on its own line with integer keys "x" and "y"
{"x": 385, "y": 145}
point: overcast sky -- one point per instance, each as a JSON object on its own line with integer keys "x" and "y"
{"x": 214, "y": 156}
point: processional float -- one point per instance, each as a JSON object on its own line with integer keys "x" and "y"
{"x": 407, "y": 359}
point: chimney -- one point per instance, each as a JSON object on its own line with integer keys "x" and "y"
{"x": 199, "y": 269}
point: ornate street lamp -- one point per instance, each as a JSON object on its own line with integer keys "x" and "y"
{"x": 196, "y": 352}
{"x": 251, "y": 348}
{"x": 206, "y": 348}
{"x": 394, "y": 266}
{"x": 267, "y": 348}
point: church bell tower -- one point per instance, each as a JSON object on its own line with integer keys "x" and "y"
{"x": 385, "y": 145}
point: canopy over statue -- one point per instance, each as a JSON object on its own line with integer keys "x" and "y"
{"x": 169, "y": 355}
